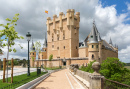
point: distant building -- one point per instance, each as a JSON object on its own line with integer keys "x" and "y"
{"x": 63, "y": 42}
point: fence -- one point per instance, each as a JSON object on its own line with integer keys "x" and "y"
{"x": 109, "y": 84}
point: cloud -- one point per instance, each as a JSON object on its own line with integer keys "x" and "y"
{"x": 128, "y": 5}
{"x": 33, "y": 19}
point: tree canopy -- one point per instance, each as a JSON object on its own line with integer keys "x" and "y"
{"x": 113, "y": 69}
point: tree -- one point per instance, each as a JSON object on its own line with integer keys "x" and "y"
{"x": 88, "y": 68}
{"x": 113, "y": 69}
{"x": 1, "y": 46}
{"x": 11, "y": 35}
{"x": 38, "y": 47}
{"x": 50, "y": 59}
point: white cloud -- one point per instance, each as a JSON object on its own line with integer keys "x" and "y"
{"x": 128, "y": 5}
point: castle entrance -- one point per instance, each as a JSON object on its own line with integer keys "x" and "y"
{"x": 64, "y": 63}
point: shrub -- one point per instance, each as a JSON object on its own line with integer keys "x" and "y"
{"x": 88, "y": 68}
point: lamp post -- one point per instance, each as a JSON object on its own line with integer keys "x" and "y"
{"x": 28, "y": 35}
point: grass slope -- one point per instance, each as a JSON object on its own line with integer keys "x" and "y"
{"x": 20, "y": 78}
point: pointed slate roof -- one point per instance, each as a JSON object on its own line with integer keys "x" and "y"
{"x": 99, "y": 38}
{"x": 32, "y": 47}
{"x": 45, "y": 42}
{"x": 110, "y": 42}
{"x": 93, "y": 34}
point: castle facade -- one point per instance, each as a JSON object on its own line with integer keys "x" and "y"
{"x": 63, "y": 43}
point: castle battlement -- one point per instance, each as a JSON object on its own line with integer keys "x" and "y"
{"x": 70, "y": 16}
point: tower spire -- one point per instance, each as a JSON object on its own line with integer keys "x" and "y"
{"x": 93, "y": 36}
{"x": 32, "y": 47}
{"x": 45, "y": 42}
{"x": 110, "y": 42}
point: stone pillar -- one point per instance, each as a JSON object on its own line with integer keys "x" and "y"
{"x": 78, "y": 19}
{"x": 95, "y": 78}
{"x": 72, "y": 15}
{"x": 61, "y": 23}
{"x": 68, "y": 17}
{"x": 4, "y": 68}
{"x": 48, "y": 27}
{"x": 54, "y": 23}
{"x": 12, "y": 65}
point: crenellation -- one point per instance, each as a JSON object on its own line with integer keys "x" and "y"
{"x": 61, "y": 23}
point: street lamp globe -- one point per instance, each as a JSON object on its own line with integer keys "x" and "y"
{"x": 28, "y": 36}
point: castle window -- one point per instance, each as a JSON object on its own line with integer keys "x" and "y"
{"x": 64, "y": 47}
{"x": 97, "y": 46}
{"x": 57, "y": 37}
{"x": 33, "y": 53}
{"x": 92, "y": 46}
{"x": 92, "y": 56}
{"x": 63, "y": 35}
{"x": 57, "y": 48}
{"x": 45, "y": 49}
{"x": 76, "y": 47}
{"x": 52, "y": 46}
{"x": 91, "y": 36}
{"x": 52, "y": 37}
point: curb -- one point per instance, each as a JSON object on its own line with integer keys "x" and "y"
{"x": 33, "y": 82}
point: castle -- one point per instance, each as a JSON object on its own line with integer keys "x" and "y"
{"x": 63, "y": 43}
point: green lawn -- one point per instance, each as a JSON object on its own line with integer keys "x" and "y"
{"x": 19, "y": 79}
{"x": 128, "y": 67}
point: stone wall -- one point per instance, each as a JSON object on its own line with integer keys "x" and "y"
{"x": 108, "y": 53}
{"x": 57, "y": 62}
{"x": 79, "y": 61}
{"x": 83, "y": 52}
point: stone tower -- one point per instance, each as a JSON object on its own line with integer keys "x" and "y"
{"x": 43, "y": 54}
{"x": 63, "y": 35}
{"x": 32, "y": 55}
{"x": 95, "y": 44}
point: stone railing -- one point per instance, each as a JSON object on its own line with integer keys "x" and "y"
{"x": 93, "y": 80}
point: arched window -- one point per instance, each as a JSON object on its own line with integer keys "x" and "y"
{"x": 33, "y": 53}
{"x": 64, "y": 47}
{"x": 92, "y": 46}
{"x": 57, "y": 48}
{"x": 92, "y": 56}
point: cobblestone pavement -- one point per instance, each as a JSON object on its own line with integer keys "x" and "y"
{"x": 60, "y": 80}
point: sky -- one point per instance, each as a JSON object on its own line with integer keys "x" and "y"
{"x": 112, "y": 18}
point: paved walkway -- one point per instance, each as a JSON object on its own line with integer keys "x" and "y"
{"x": 60, "y": 80}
